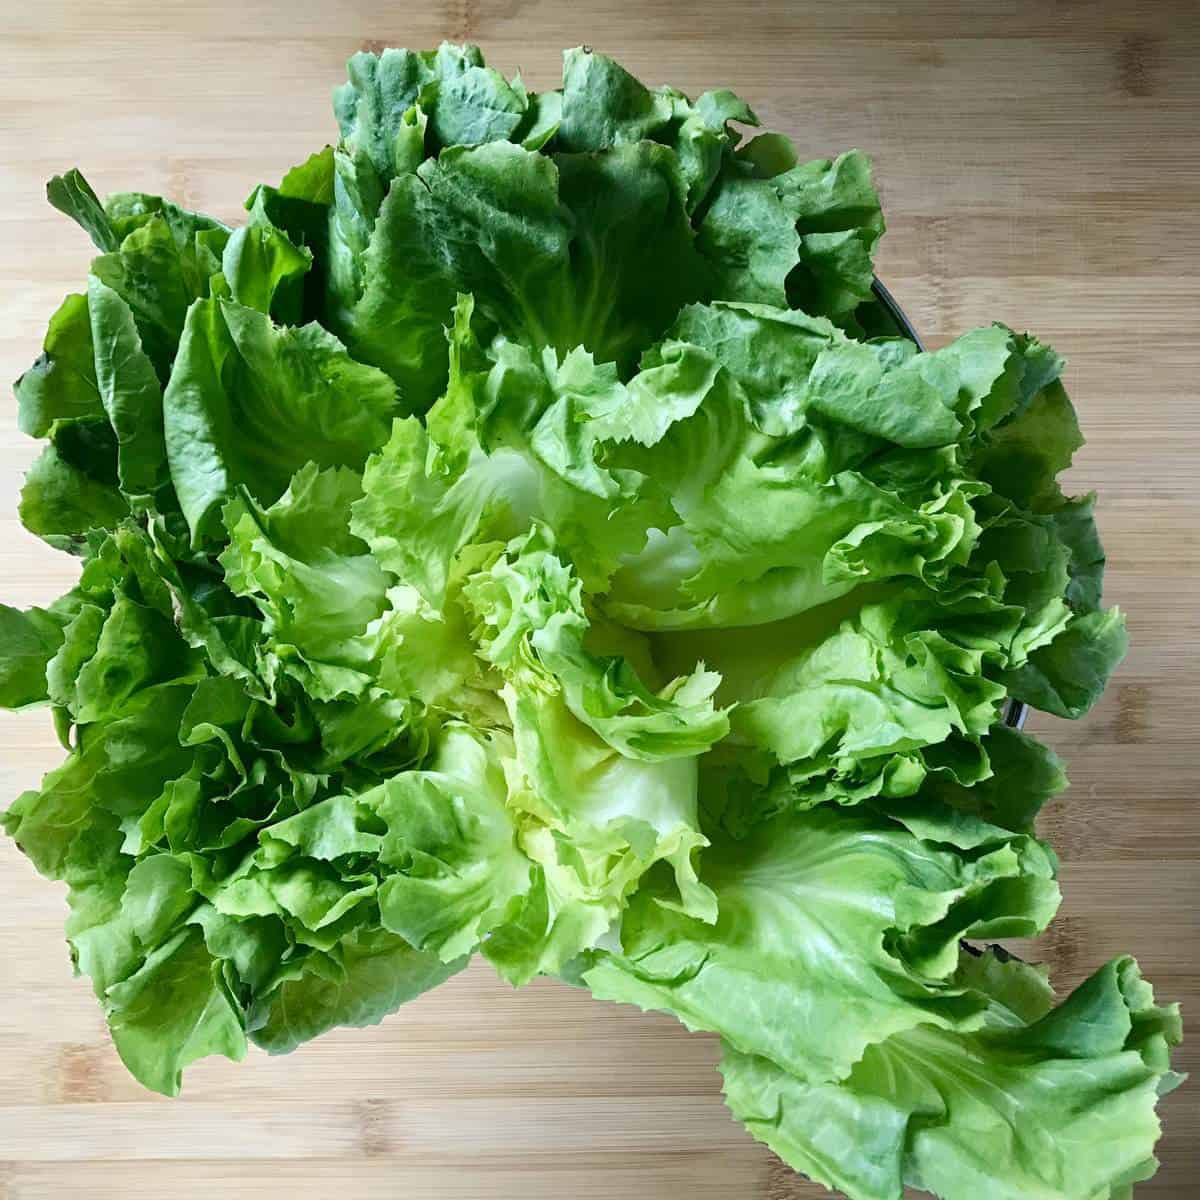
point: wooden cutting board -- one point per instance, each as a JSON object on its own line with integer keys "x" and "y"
{"x": 1039, "y": 163}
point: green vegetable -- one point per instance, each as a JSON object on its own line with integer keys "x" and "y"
{"x": 512, "y": 540}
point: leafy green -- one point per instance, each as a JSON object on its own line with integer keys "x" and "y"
{"x": 1001, "y": 1111}
{"x": 29, "y": 640}
{"x": 376, "y": 974}
{"x": 250, "y": 403}
{"x": 512, "y": 540}
{"x": 835, "y": 931}
{"x": 317, "y": 587}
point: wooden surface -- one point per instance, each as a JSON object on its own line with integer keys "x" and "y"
{"x": 1040, "y": 163}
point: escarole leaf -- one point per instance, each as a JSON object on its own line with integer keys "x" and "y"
{"x": 375, "y": 974}
{"x": 315, "y": 584}
{"x": 129, "y": 392}
{"x": 834, "y": 931}
{"x": 1039, "y": 1101}
{"x": 250, "y": 403}
{"x": 29, "y": 641}
{"x": 562, "y": 251}
{"x": 532, "y": 625}
{"x": 62, "y": 383}
{"x": 600, "y": 820}
{"x": 262, "y": 266}
{"x": 176, "y": 998}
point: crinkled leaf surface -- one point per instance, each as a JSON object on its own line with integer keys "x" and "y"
{"x": 511, "y": 539}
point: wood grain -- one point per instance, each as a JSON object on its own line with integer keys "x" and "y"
{"x": 1040, "y": 163}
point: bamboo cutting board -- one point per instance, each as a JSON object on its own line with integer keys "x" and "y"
{"x": 1040, "y": 163}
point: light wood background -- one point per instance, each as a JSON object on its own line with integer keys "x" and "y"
{"x": 1040, "y": 163}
